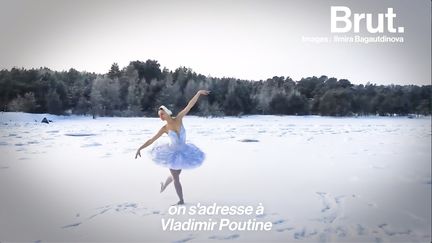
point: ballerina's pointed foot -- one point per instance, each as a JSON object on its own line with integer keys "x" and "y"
{"x": 162, "y": 187}
{"x": 181, "y": 202}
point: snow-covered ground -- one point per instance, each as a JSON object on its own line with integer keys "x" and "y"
{"x": 320, "y": 179}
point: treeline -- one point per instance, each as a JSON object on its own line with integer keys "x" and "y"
{"x": 139, "y": 88}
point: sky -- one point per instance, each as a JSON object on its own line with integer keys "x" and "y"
{"x": 245, "y": 39}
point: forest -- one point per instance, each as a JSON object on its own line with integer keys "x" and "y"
{"x": 141, "y": 87}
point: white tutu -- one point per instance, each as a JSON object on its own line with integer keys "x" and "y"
{"x": 177, "y": 154}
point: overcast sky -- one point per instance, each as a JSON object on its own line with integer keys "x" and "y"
{"x": 223, "y": 38}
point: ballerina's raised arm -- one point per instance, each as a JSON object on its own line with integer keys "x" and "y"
{"x": 191, "y": 103}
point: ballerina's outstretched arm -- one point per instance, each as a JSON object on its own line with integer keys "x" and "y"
{"x": 191, "y": 103}
{"x": 150, "y": 141}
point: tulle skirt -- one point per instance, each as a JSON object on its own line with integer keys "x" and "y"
{"x": 177, "y": 157}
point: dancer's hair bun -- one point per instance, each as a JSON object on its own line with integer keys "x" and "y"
{"x": 162, "y": 107}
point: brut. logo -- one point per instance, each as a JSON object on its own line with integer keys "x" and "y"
{"x": 342, "y": 15}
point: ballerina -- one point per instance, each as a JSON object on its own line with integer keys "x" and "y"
{"x": 177, "y": 154}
